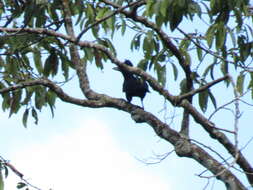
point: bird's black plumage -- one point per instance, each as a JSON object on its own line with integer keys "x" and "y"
{"x": 133, "y": 85}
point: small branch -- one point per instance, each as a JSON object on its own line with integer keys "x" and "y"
{"x": 202, "y": 88}
{"x": 212, "y": 150}
{"x": 208, "y": 51}
{"x": 17, "y": 172}
{"x": 237, "y": 114}
{"x": 158, "y": 158}
{"x": 226, "y": 104}
{"x": 105, "y": 18}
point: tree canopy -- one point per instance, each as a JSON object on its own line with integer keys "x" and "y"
{"x": 194, "y": 45}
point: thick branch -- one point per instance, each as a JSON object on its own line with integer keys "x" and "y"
{"x": 56, "y": 89}
{"x": 75, "y": 57}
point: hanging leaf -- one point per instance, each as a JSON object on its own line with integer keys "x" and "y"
{"x": 25, "y": 116}
{"x": 37, "y": 60}
{"x": 35, "y": 115}
{"x": 203, "y": 100}
{"x": 161, "y": 74}
{"x": 210, "y": 34}
{"x": 199, "y": 53}
{"x": 21, "y": 185}
{"x": 175, "y": 71}
{"x": 183, "y": 86}
{"x": 51, "y": 98}
{"x": 98, "y": 59}
{"x": 15, "y": 102}
{"x": 1, "y": 180}
{"x": 240, "y": 83}
{"x": 211, "y": 96}
{"x": 39, "y": 98}
{"x": 220, "y": 35}
{"x": 51, "y": 64}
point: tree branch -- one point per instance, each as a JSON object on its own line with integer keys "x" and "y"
{"x": 107, "y": 17}
{"x": 56, "y": 89}
{"x": 202, "y": 88}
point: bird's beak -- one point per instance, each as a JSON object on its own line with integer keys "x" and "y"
{"x": 115, "y": 68}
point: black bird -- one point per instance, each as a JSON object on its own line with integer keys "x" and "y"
{"x": 133, "y": 85}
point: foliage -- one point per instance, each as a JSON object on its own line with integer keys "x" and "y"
{"x": 198, "y": 41}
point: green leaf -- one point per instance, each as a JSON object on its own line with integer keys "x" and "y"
{"x": 39, "y": 97}
{"x": 220, "y": 35}
{"x": 135, "y": 43}
{"x": 175, "y": 20}
{"x": 21, "y": 185}
{"x": 164, "y": 7}
{"x": 143, "y": 64}
{"x": 210, "y": 34}
{"x": 195, "y": 8}
{"x": 53, "y": 13}
{"x": 123, "y": 27}
{"x": 224, "y": 67}
{"x": 1, "y": 180}
{"x": 98, "y": 60}
{"x": 37, "y": 60}
{"x": 65, "y": 64}
{"x": 6, "y": 171}
{"x": 199, "y": 53}
{"x": 149, "y": 11}
{"x": 51, "y": 98}
{"x": 161, "y": 75}
{"x": 175, "y": 71}
{"x": 240, "y": 83}
{"x": 208, "y": 69}
{"x": 29, "y": 93}
{"x": 15, "y": 102}
{"x": 203, "y": 100}
{"x": 183, "y": 86}
{"x": 147, "y": 48}
{"x": 35, "y": 115}
{"x": 211, "y": 96}
{"x": 51, "y": 64}
{"x": 25, "y": 116}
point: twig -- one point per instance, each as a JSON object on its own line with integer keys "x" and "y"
{"x": 159, "y": 158}
{"x": 202, "y": 88}
{"x": 226, "y": 104}
{"x": 18, "y": 173}
{"x": 105, "y": 18}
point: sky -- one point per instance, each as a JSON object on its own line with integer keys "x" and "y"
{"x": 86, "y": 157}
{"x": 82, "y": 148}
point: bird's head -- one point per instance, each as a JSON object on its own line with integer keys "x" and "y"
{"x": 127, "y": 62}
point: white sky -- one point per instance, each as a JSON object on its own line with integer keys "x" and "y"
{"x": 86, "y": 157}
